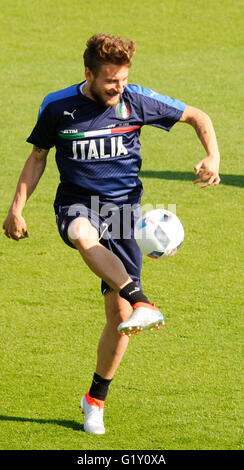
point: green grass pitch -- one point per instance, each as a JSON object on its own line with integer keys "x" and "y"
{"x": 177, "y": 389}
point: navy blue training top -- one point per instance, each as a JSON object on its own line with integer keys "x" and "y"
{"x": 98, "y": 147}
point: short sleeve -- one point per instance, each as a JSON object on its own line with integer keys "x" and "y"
{"x": 44, "y": 133}
{"x": 157, "y": 109}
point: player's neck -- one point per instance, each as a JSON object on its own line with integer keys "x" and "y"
{"x": 85, "y": 91}
{"x": 82, "y": 87}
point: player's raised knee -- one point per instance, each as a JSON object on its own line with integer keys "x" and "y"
{"x": 82, "y": 234}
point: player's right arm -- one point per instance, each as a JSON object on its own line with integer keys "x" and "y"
{"x": 14, "y": 224}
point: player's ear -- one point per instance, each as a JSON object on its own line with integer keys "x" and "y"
{"x": 88, "y": 74}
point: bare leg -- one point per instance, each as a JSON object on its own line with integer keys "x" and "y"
{"x": 112, "y": 345}
{"x": 100, "y": 260}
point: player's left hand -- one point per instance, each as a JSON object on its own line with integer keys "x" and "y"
{"x": 207, "y": 170}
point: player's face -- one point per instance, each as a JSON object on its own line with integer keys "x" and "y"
{"x": 107, "y": 87}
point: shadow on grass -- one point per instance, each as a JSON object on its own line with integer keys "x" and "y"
{"x": 60, "y": 422}
{"x": 228, "y": 180}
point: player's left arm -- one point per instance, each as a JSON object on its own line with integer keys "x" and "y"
{"x": 208, "y": 168}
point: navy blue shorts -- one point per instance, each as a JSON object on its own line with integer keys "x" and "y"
{"x": 115, "y": 226}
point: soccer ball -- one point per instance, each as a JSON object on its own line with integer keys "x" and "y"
{"x": 159, "y": 233}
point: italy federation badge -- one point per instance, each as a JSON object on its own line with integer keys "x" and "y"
{"x": 122, "y": 110}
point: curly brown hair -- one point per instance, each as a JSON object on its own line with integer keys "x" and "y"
{"x": 102, "y": 49}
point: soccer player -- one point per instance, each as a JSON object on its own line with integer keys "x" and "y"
{"x": 95, "y": 126}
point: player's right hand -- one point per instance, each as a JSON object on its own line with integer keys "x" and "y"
{"x": 15, "y": 227}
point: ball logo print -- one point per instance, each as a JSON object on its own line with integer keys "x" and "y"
{"x": 159, "y": 233}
